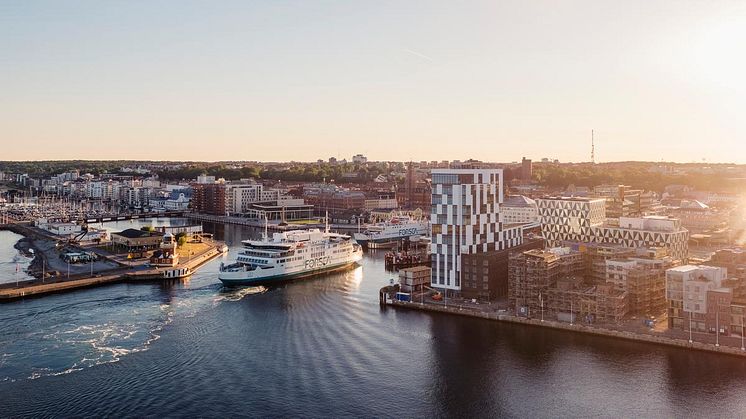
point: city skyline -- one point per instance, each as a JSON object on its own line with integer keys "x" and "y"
{"x": 259, "y": 81}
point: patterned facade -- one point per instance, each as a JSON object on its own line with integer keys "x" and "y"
{"x": 570, "y": 219}
{"x": 466, "y": 219}
{"x": 583, "y": 220}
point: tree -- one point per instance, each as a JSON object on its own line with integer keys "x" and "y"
{"x": 181, "y": 238}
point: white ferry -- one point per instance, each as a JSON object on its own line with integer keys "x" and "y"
{"x": 290, "y": 255}
{"x": 397, "y": 228}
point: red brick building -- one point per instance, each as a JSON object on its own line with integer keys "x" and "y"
{"x": 209, "y": 198}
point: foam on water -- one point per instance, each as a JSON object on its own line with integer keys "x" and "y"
{"x": 66, "y": 337}
{"x": 237, "y": 294}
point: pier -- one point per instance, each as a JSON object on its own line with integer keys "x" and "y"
{"x": 35, "y": 288}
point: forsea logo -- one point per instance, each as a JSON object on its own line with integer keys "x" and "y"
{"x": 318, "y": 262}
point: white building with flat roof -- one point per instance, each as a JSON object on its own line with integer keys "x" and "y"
{"x": 689, "y": 284}
{"x": 205, "y": 179}
{"x": 518, "y": 209}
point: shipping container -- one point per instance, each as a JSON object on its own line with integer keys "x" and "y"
{"x": 403, "y": 296}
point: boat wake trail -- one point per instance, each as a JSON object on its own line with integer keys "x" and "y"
{"x": 237, "y": 294}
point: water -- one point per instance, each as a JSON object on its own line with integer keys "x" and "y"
{"x": 323, "y": 347}
{"x": 13, "y": 264}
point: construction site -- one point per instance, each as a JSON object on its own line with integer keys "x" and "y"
{"x": 598, "y": 283}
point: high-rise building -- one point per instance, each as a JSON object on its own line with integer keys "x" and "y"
{"x": 527, "y": 170}
{"x": 209, "y": 198}
{"x": 465, "y": 219}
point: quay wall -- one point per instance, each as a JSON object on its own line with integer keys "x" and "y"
{"x": 576, "y": 328}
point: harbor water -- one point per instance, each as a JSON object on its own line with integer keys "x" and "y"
{"x": 13, "y": 263}
{"x": 323, "y": 347}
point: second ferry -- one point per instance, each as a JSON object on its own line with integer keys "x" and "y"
{"x": 290, "y": 255}
{"x": 386, "y": 234}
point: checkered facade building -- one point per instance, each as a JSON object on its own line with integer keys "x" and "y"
{"x": 466, "y": 219}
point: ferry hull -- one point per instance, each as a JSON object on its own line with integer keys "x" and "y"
{"x": 383, "y": 241}
{"x": 235, "y": 279}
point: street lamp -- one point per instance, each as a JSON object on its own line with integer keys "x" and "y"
{"x": 690, "y": 327}
{"x": 571, "y": 313}
{"x": 717, "y": 327}
{"x": 541, "y": 302}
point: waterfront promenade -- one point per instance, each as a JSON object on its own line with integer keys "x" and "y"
{"x": 252, "y": 222}
{"x": 703, "y": 342}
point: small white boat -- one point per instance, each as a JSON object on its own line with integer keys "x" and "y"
{"x": 177, "y": 273}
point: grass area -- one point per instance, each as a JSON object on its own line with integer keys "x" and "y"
{"x": 192, "y": 248}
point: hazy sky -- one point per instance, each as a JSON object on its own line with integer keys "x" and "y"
{"x": 395, "y": 80}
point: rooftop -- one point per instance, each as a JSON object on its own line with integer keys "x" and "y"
{"x": 572, "y": 198}
{"x": 132, "y": 233}
{"x": 519, "y": 201}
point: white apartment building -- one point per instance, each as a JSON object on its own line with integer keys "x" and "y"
{"x": 518, "y": 209}
{"x": 240, "y": 197}
{"x": 688, "y": 285}
{"x": 179, "y": 204}
{"x": 584, "y": 220}
{"x": 465, "y": 219}
{"x": 205, "y": 179}
{"x": 99, "y": 190}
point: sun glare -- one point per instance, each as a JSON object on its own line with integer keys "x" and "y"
{"x": 719, "y": 54}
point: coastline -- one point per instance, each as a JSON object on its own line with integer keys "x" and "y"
{"x": 26, "y": 246}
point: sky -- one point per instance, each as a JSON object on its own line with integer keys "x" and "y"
{"x": 393, "y": 80}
